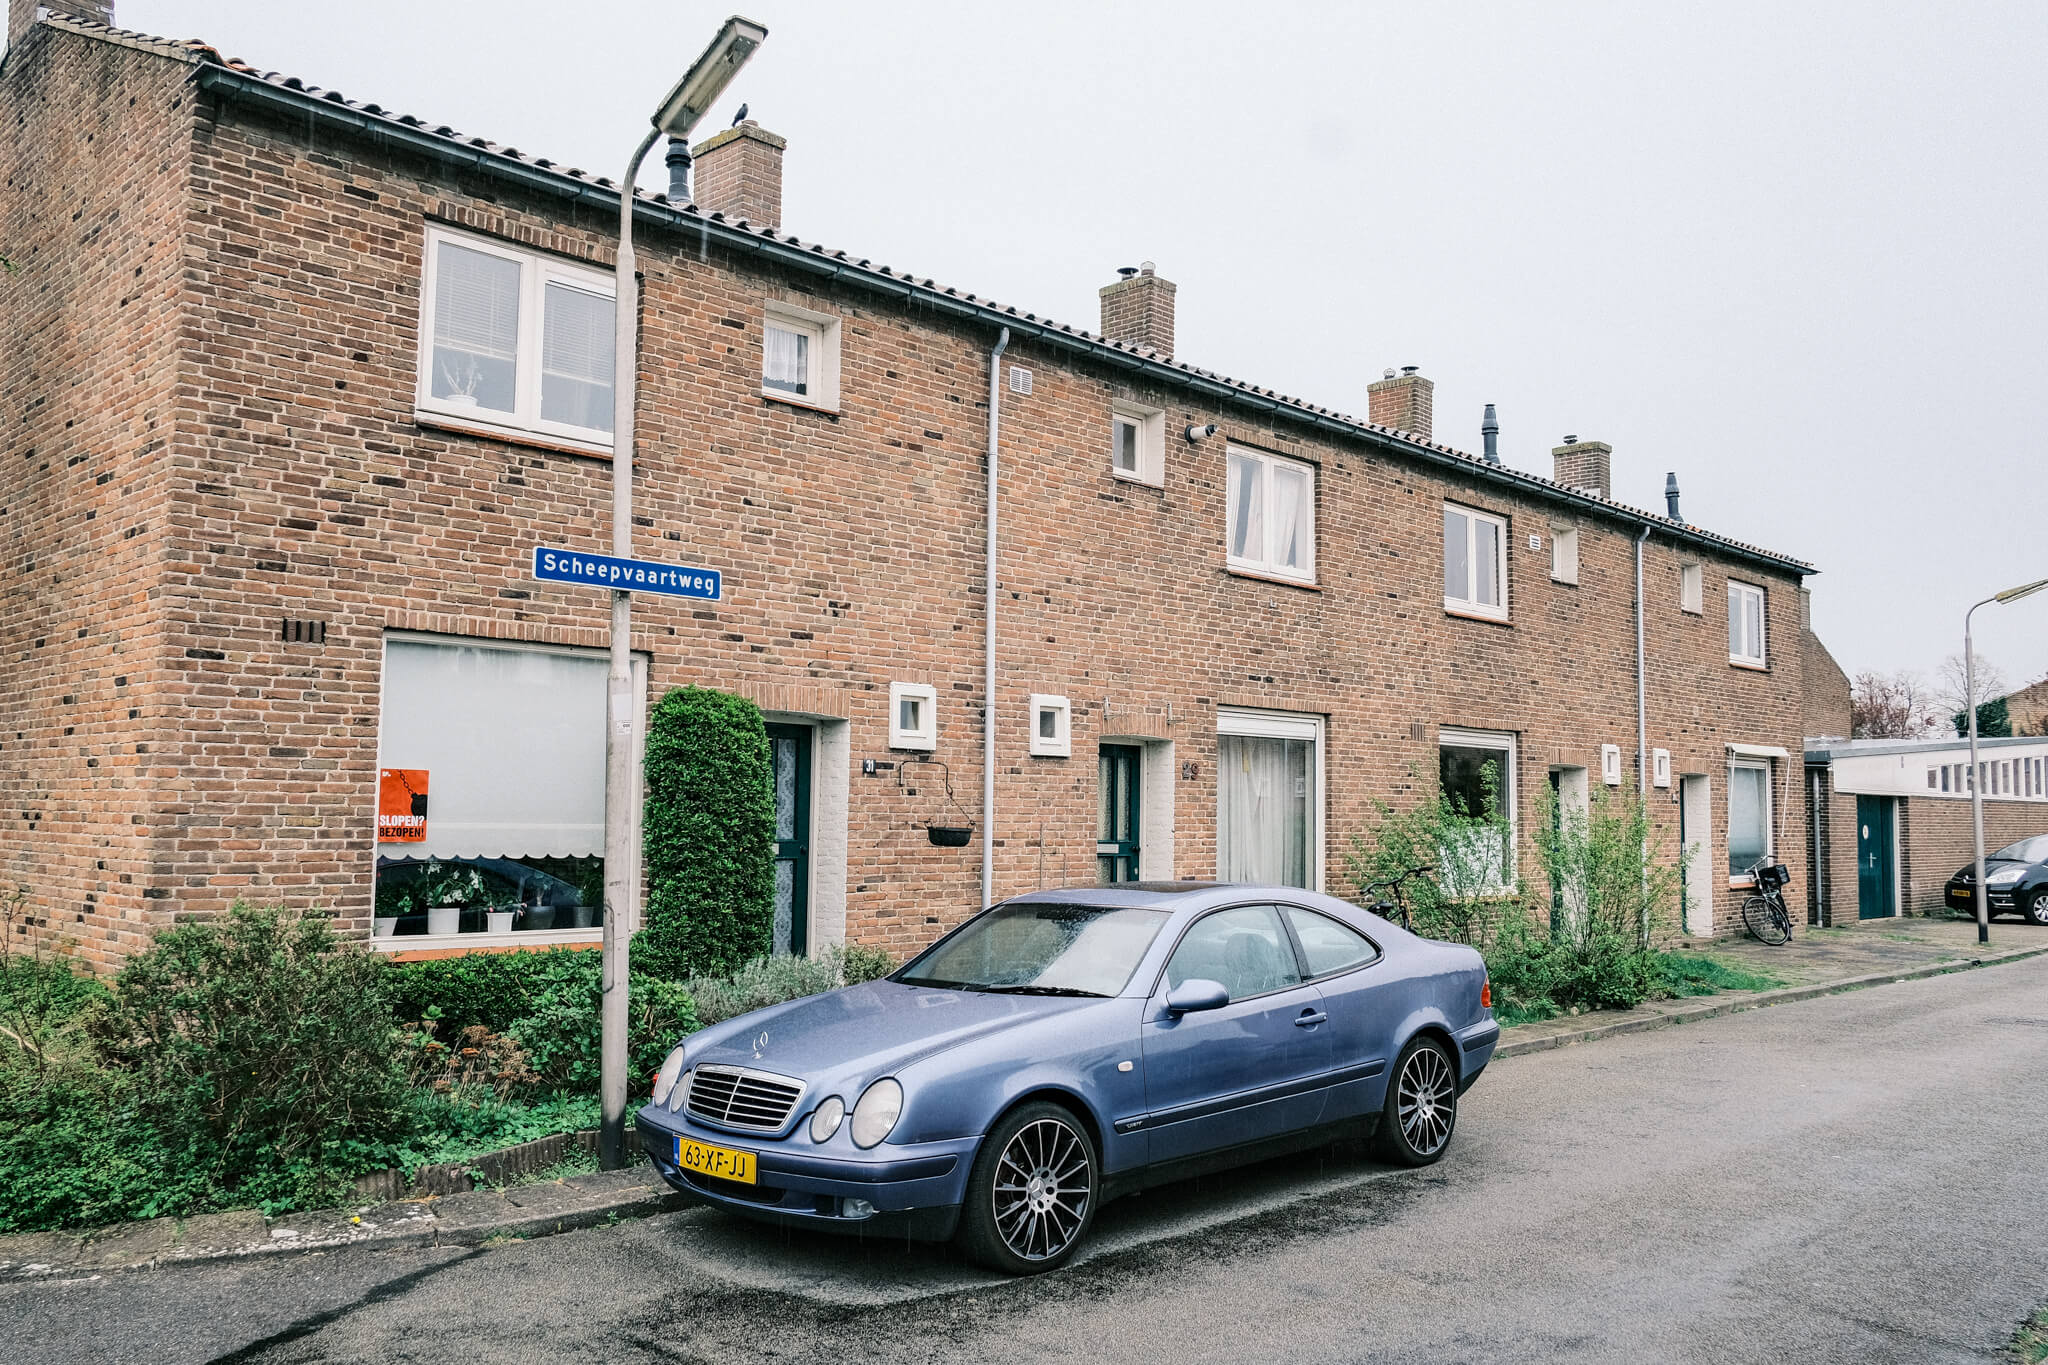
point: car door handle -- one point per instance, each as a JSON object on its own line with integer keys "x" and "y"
{"x": 1310, "y": 1018}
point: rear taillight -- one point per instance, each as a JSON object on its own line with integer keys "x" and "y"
{"x": 1486, "y": 995}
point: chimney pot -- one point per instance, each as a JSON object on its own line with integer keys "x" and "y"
{"x": 678, "y": 171}
{"x": 1138, "y": 309}
{"x": 1406, "y": 402}
{"x": 1671, "y": 497}
{"x": 1489, "y": 434}
{"x": 739, "y": 174}
{"x": 1584, "y": 465}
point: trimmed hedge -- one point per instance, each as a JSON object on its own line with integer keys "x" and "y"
{"x": 709, "y": 829}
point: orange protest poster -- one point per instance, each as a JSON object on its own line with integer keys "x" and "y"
{"x": 402, "y": 805}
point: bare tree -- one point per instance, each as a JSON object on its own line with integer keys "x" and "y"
{"x": 1892, "y": 706}
{"x": 1951, "y": 694}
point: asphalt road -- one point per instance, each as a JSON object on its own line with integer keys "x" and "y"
{"x": 1849, "y": 1179}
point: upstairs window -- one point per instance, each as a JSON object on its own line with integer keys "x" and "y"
{"x": 800, "y": 356}
{"x": 516, "y": 342}
{"x": 1137, "y": 444}
{"x": 1272, "y": 512}
{"x": 1475, "y": 562}
{"x": 1745, "y": 624}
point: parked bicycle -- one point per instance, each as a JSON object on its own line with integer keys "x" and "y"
{"x": 1396, "y": 908}
{"x": 1764, "y": 913}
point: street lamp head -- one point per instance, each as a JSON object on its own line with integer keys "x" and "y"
{"x": 708, "y": 76}
{"x": 2025, "y": 590}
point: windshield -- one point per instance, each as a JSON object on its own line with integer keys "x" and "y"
{"x": 1027, "y": 949}
{"x": 2032, "y": 850}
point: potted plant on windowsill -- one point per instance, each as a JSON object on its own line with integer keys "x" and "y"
{"x": 446, "y": 889}
{"x": 394, "y": 900}
{"x": 463, "y": 382}
{"x": 498, "y": 918}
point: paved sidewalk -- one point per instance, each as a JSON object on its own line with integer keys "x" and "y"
{"x": 536, "y": 1210}
{"x": 1816, "y": 962}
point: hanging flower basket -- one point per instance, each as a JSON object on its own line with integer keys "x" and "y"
{"x": 950, "y": 836}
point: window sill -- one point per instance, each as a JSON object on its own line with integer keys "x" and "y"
{"x": 531, "y": 440}
{"x": 1257, "y": 577}
{"x": 1122, "y": 476}
{"x": 1468, "y": 614}
{"x": 1692, "y": 611}
{"x": 410, "y": 947}
{"x": 1564, "y": 582}
{"x": 1749, "y": 665}
{"x": 803, "y": 404}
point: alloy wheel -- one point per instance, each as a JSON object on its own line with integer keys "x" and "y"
{"x": 1042, "y": 1189}
{"x": 1426, "y": 1094}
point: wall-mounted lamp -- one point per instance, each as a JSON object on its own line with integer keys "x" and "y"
{"x": 1202, "y": 433}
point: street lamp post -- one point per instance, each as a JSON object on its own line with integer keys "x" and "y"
{"x": 686, "y": 104}
{"x": 1977, "y": 773}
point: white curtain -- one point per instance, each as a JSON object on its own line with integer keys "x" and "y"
{"x": 1748, "y": 791}
{"x": 788, "y": 361}
{"x": 1290, "y": 518}
{"x": 513, "y": 744}
{"x": 1262, "y": 829}
{"x": 577, "y": 336}
{"x": 1247, "y": 496}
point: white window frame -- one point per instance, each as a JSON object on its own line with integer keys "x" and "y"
{"x": 1564, "y": 554}
{"x": 1763, "y": 765}
{"x": 1737, "y": 589}
{"x": 822, "y": 363}
{"x": 1510, "y": 797}
{"x": 924, "y": 736}
{"x": 1466, "y": 606}
{"x": 1059, "y": 744}
{"x": 1257, "y": 724}
{"x": 1660, "y": 767}
{"x": 1692, "y": 588}
{"x": 536, "y": 273}
{"x": 1151, "y": 444}
{"x": 1264, "y": 567}
{"x": 1610, "y": 764}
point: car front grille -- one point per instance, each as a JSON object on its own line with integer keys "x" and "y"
{"x": 734, "y": 1097}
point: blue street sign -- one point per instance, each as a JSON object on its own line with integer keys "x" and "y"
{"x": 631, "y": 575}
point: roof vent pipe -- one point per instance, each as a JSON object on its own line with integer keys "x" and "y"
{"x": 678, "y": 170}
{"x": 1671, "y": 498}
{"x": 1489, "y": 434}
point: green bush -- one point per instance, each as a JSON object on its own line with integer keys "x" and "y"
{"x": 858, "y": 963}
{"x": 709, "y": 831}
{"x": 562, "y": 1030}
{"x": 1470, "y": 894}
{"x": 261, "y": 1050}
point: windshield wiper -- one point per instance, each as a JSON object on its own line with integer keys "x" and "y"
{"x": 1042, "y": 990}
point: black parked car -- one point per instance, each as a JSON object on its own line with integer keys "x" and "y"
{"x": 2015, "y": 878}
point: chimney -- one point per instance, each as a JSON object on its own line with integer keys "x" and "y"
{"x": 1671, "y": 498}
{"x": 739, "y": 174}
{"x": 1584, "y": 465}
{"x": 678, "y": 160}
{"x": 1138, "y": 309}
{"x": 1405, "y": 402}
{"x": 1489, "y": 434}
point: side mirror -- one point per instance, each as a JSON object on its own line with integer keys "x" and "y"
{"x": 1196, "y": 994}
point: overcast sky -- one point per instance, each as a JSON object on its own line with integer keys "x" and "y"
{"x": 1797, "y": 253}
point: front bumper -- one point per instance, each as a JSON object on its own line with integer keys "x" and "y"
{"x": 1963, "y": 896}
{"x": 913, "y": 1191}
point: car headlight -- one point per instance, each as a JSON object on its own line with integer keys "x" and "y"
{"x": 665, "y": 1079}
{"x": 2005, "y": 876}
{"x": 881, "y": 1104}
{"x": 825, "y": 1119}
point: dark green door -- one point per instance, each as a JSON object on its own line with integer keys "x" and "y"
{"x": 1116, "y": 824}
{"x": 1876, "y": 891}
{"x": 789, "y": 750}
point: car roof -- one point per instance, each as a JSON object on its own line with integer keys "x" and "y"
{"x": 1174, "y": 895}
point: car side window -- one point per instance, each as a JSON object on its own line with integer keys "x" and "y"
{"x": 1245, "y": 949}
{"x": 1327, "y": 945}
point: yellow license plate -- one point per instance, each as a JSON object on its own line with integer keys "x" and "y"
{"x": 720, "y": 1163}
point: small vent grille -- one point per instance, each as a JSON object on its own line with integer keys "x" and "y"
{"x": 737, "y": 1098}
{"x": 295, "y": 631}
{"x": 1020, "y": 379}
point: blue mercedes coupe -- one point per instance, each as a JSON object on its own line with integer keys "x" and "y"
{"x": 1068, "y": 1046}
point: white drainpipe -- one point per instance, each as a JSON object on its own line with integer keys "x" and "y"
{"x": 1642, "y": 721}
{"x": 988, "y": 685}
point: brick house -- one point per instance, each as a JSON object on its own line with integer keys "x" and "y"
{"x": 300, "y": 384}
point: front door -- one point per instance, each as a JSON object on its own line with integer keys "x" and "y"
{"x": 1876, "y": 890}
{"x": 1256, "y": 1068}
{"x": 1116, "y": 822}
{"x": 789, "y": 750}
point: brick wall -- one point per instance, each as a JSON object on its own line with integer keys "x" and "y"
{"x": 90, "y": 219}
{"x": 300, "y": 484}
{"x": 1940, "y": 842}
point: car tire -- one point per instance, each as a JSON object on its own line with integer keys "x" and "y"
{"x": 1032, "y": 1194}
{"x": 1421, "y": 1109}
{"x": 2037, "y": 907}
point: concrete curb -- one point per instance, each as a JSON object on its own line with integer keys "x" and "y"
{"x": 1715, "y": 1006}
{"x": 467, "y": 1219}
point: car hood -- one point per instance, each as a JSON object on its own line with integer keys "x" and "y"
{"x": 870, "y": 1029}
{"x": 1991, "y": 865}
